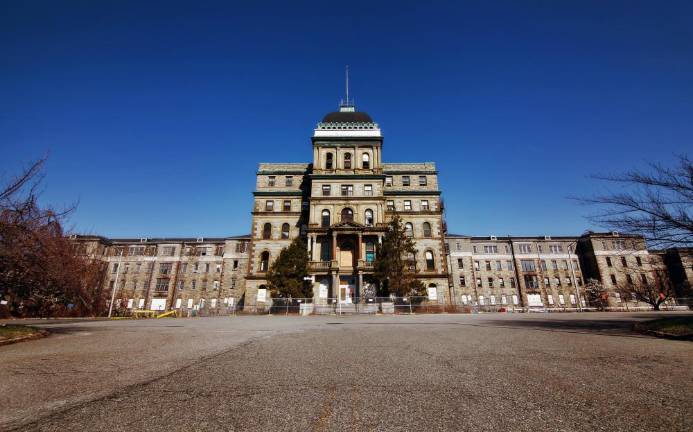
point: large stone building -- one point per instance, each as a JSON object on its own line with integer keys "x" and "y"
{"x": 340, "y": 204}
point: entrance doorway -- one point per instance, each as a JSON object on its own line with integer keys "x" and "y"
{"x": 347, "y": 289}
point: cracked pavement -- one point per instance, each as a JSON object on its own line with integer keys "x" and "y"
{"x": 425, "y": 372}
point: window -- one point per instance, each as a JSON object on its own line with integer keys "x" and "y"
{"x": 326, "y": 190}
{"x": 478, "y": 282}
{"x": 613, "y": 279}
{"x": 184, "y": 267}
{"x": 218, "y": 268}
{"x": 540, "y": 248}
{"x": 325, "y": 219}
{"x": 285, "y": 231}
{"x": 370, "y": 251}
{"x": 525, "y": 248}
{"x": 347, "y": 160}
{"x": 409, "y": 229}
{"x": 366, "y": 161}
{"x": 476, "y": 266}
{"x": 490, "y": 282}
{"x": 368, "y": 190}
{"x": 460, "y": 263}
{"x": 499, "y": 266}
{"x": 638, "y": 260}
{"x": 543, "y": 265}
{"x": 424, "y": 205}
{"x": 347, "y": 215}
{"x": 368, "y": 217}
{"x": 463, "y": 282}
{"x": 564, "y": 264}
{"x": 458, "y": 245}
{"x": 643, "y": 278}
{"x": 423, "y": 180}
{"x": 407, "y": 205}
{"x": 629, "y": 279}
{"x": 391, "y": 206}
{"x": 289, "y": 181}
{"x": 556, "y": 248}
{"x": 406, "y": 181}
{"x": 490, "y": 249}
{"x": 264, "y": 261}
{"x": 114, "y": 269}
{"x": 531, "y": 282}
{"x": 528, "y": 265}
{"x": 269, "y": 205}
{"x": 193, "y": 285}
{"x": 135, "y": 250}
{"x": 165, "y": 268}
{"x": 512, "y": 283}
{"x": 347, "y": 190}
{"x": 168, "y": 251}
{"x": 271, "y": 181}
{"x": 608, "y": 262}
{"x": 235, "y": 264}
{"x": 426, "y": 229}
{"x": 388, "y": 181}
{"x": 267, "y": 231}
{"x": 501, "y": 282}
{"x": 488, "y": 265}
{"x": 162, "y": 284}
{"x": 328, "y": 161}
{"x": 287, "y": 205}
{"x": 547, "y": 282}
{"x": 206, "y": 267}
{"x": 509, "y": 265}
{"x": 624, "y": 263}
{"x": 619, "y": 244}
{"x": 554, "y": 265}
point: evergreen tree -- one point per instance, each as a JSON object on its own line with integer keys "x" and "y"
{"x": 286, "y": 274}
{"x": 395, "y": 265}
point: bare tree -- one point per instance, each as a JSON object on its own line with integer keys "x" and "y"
{"x": 657, "y": 204}
{"x": 657, "y": 289}
{"x": 40, "y": 271}
{"x": 596, "y": 295}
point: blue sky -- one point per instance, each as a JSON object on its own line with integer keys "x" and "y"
{"x": 156, "y": 114}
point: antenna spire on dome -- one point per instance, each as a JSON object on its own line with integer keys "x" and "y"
{"x": 347, "y": 105}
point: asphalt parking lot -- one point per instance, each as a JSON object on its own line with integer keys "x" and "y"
{"x": 424, "y": 372}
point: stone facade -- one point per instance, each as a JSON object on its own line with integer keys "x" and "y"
{"x": 340, "y": 204}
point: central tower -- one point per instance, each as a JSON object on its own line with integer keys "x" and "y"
{"x": 347, "y": 205}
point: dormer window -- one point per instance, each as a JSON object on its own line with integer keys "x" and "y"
{"x": 328, "y": 161}
{"x": 347, "y": 160}
{"x": 271, "y": 181}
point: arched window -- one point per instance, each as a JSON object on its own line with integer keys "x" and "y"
{"x": 347, "y": 215}
{"x": 267, "y": 231}
{"x": 426, "y": 229}
{"x": 347, "y": 160}
{"x": 325, "y": 220}
{"x": 369, "y": 217}
{"x": 430, "y": 262}
{"x": 366, "y": 161}
{"x": 328, "y": 161}
{"x": 264, "y": 261}
{"x": 409, "y": 229}
{"x": 285, "y": 231}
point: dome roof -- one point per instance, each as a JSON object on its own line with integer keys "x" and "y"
{"x": 347, "y": 117}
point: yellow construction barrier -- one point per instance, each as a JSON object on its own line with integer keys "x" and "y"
{"x": 167, "y": 314}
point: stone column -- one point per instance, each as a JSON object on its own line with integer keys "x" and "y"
{"x": 360, "y": 242}
{"x": 334, "y": 246}
{"x": 359, "y": 289}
